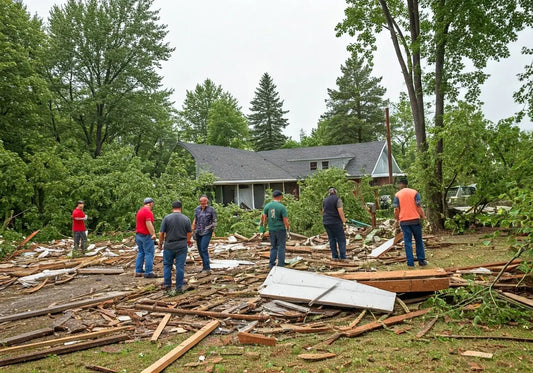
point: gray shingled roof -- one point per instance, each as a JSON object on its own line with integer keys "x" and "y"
{"x": 230, "y": 164}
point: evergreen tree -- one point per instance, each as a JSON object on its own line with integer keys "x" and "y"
{"x": 266, "y": 119}
{"x": 355, "y": 109}
{"x": 195, "y": 111}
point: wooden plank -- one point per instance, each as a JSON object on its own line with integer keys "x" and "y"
{"x": 428, "y": 327}
{"x": 411, "y": 285}
{"x": 484, "y": 355}
{"x": 387, "y": 322}
{"x": 485, "y": 265}
{"x": 97, "y": 368}
{"x": 63, "y": 349}
{"x": 317, "y": 357}
{"x": 393, "y": 275}
{"x": 36, "y": 288}
{"x": 505, "y": 338}
{"x": 222, "y": 315}
{"x": 160, "y": 327}
{"x": 17, "y": 339}
{"x": 256, "y": 339}
{"x": 101, "y": 271}
{"x": 57, "y": 341}
{"x": 182, "y": 348}
{"x": 305, "y": 329}
{"x": 27, "y": 239}
{"x": 60, "y": 308}
{"x": 518, "y": 298}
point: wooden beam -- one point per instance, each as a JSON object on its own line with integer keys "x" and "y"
{"x": 160, "y": 327}
{"x": 182, "y": 348}
{"x": 17, "y": 339}
{"x": 393, "y": 275}
{"x": 97, "y": 368}
{"x": 256, "y": 339}
{"x": 504, "y": 338}
{"x": 221, "y": 315}
{"x": 60, "y": 308}
{"x": 387, "y": 322}
{"x": 64, "y": 349}
{"x": 410, "y": 285}
{"x": 70, "y": 338}
{"x": 317, "y": 357}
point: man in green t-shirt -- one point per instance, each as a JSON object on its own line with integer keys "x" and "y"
{"x": 278, "y": 225}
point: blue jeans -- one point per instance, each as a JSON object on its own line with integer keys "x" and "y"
{"x": 336, "y": 238}
{"x": 145, "y": 254}
{"x": 169, "y": 256}
{"x": 277, "y": 241}
{"x": 203, "y": 244}
{"x": 408, "y": 232}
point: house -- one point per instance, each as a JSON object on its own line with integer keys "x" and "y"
{"x": 242, "y": 176}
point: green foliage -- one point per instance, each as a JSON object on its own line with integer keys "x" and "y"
{"x": 232, "y": 219}
{"x": 227, "y": 125}
{"x": 305, "y": 213}
{"x": 266, "y": 119}
{"x": 479, "y": 304}
{"x": 194, "y": 116}
{"x": 102, "y": 64}
{"x": 22, "y": 86}
{"x": 355, "y": 109}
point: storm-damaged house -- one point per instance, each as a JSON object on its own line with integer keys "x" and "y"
{"x": 242, "y": 176}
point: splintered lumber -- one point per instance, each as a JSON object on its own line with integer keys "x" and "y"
{"x": 428, "y": 327}
{"x": 236, "y": 316}
{"x": 26, "y": 336}
{"x": 97, "y": 368}
{"x": 256, "y": 339}
{"x": 387, "y": 322}
{"x": 160, "y": 327}
{"x": 182, "y": 348}
{"x": 302, "y": 286}
{"x": 27, "y": 239}
{"x": 53, "y": 342}
{"x": 36, "y": 288}
{"x": 64, "y": 349}
{"x": 60, "y": 308}
{"x": 317, "y": 357}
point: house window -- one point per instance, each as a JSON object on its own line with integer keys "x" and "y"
{"x": 312, "y": 166}
{"x": 325, "y": 165}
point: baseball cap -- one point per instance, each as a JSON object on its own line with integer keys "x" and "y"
{"x": 276, "y": 193}
{"x": 148, "y": 200}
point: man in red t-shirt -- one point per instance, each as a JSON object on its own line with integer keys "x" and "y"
{"x": 144, "y": 237}
{"x": 78, "y": 227}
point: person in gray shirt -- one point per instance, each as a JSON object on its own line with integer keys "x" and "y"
{"x": 176, "y": 233}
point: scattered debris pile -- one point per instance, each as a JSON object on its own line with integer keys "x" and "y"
{"x": 80, "y": 303}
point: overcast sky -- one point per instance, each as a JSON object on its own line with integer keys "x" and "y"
{"x": 233, "y": 42}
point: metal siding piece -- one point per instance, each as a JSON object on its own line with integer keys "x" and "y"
{"x": 300, "y": 286}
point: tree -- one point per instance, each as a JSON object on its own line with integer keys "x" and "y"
{"x": 195, "y": 111}
{"x": 266, "y": 118}
{"x": 22, "y": 86}
{"x": 525, "y": 94}
{"x": 226, "y": 125}
{"x": 355, "y": 108}
{"x": 102, "y": 62}
{"x": 455, "y": 38}
{"x": 402, "y": 132}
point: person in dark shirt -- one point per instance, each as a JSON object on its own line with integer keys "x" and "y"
{"x": 334, "y": 221}
{"x": 176, "y": 234}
